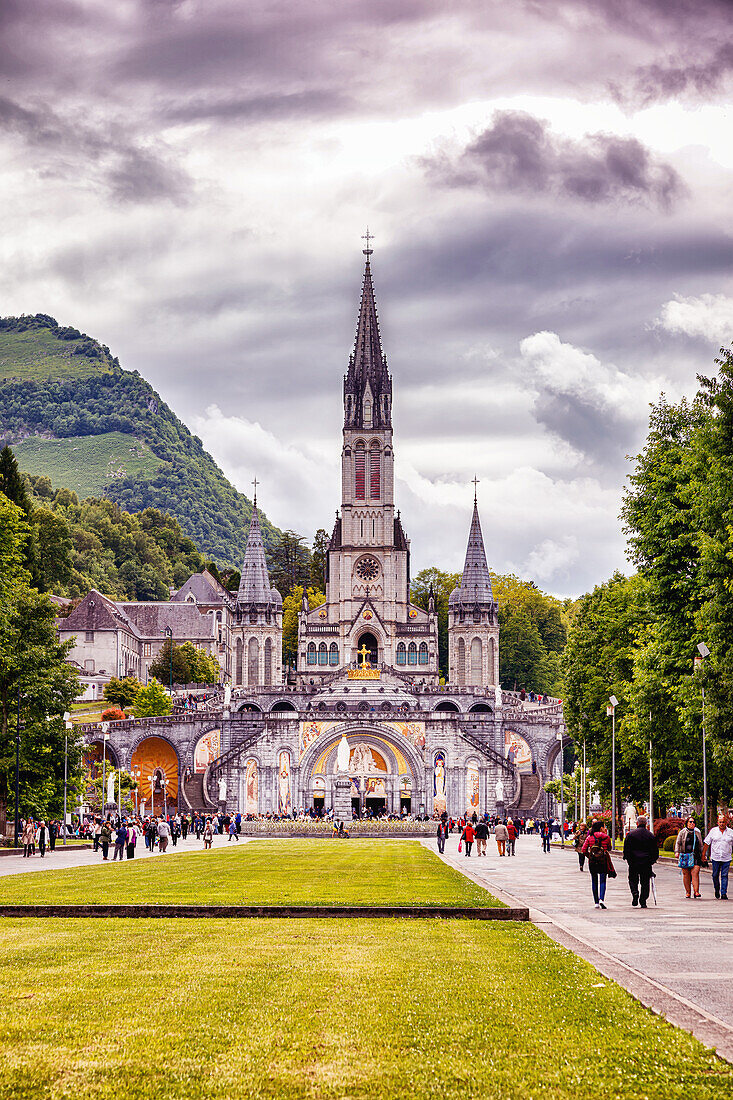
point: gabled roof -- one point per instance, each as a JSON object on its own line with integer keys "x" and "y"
{"x": 204, "y": 587}
{"x": 97, "y": 612}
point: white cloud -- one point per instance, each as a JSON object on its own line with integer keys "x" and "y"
{"x": 552, "y": 559}
{"x": 565, "y": 369}
{"x": 709, "y": 316}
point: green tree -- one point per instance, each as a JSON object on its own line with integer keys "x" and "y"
{"x": 442, "y": 585}
{"x": 11, "y": 481}
{"x": 291, "y": 607}
{"x": 52, "y": 559}
{"x": 290, "y": 564}
{"x": 33, "y": 669}
{"x": 152, "y": 701}
{"x": 599, "y": 662}
{"x": 161, "y": 666}
{"x": 122, "y": 692}
{"x": 319, "y": 557}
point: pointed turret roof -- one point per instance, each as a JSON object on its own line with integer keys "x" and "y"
{"x": 254, "y": 586}
{"x": 368, "y": 364}
{"x": 476, "y": 580}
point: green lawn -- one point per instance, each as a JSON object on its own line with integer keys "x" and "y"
{"x": 87, "y": 464}
{"x": 262, "y": 872}
{"x": 326, "y": 1009}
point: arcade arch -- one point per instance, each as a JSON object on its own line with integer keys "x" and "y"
{"x": 157, "y": 760}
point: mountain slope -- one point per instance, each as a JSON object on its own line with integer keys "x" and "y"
{"x": 73, "y": 414}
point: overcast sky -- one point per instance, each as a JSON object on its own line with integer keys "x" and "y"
{"x": 549, "y": 187}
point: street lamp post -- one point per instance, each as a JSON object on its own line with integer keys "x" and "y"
{"x": 164, "y": 785}
{"x": 169, "y": 635}
{"x": 614, "y": 703}
{"x": 67, "y": 726}
{"x": 17, "y": 774}
{"x": 562, "y": 793}
{"x": 699, "y": 662}
{"x": 136, "y": 773}
{"x": 584, "y": 795}
{"x": 651, "y": 779}
{"x": 105, "y": 738}
{"x": 151, "y": 780}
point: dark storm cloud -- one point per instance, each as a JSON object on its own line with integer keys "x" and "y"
{"x": 315, "y": 103}
{"x": 68, "y": 147}
{"x": 674, "y": 79}
{"x": 519, "y": 152}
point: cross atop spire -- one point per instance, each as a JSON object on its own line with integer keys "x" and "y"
{"x": 368, "y": 237}
{"x": 255, "y": 482}
{"x": 476, "y": 483}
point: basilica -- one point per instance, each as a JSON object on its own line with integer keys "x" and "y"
{"x": 367, "y": 673}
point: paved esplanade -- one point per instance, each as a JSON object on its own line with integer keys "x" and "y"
{"x": 681, "y": 949}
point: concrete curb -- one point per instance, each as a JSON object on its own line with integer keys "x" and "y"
{"x": 435, "y": 912}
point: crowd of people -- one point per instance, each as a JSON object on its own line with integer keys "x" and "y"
{"x": 641, "y": 851}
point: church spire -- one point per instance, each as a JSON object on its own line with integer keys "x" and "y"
{"x": 254, "y": 586}
{"x": 476, "y": 580}
{"x": 367, "y": 385}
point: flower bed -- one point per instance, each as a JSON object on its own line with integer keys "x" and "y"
{"x": 323, "y": 828}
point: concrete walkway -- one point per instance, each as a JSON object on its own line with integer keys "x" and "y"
{"x": 677, "y": 957}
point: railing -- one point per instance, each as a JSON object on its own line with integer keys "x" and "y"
{"x": 490, "y": 753}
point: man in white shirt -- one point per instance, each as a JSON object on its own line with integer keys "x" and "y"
{"x": 164, "y": 832}
{"x": 719, "y": 842}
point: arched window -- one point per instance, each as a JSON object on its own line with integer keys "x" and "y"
{"x": 322, "y": 654}
{"x": 367, "y": 413}
{"x": 268, "y": 661}
{"x": 412, "y": 654}
{"x": 253, "y": 662}
{"x": 423, "y": 653}
{"x": 311, "y": 657}
{"x": 239, "y": 662}
{"x": 461, "y": 661}
{"x": 333, "y": 654}
{"x": 360, "y": 472}
{"x": 401, "y": 654}
{"x": 375, "y": 472}
{"x": 476, "y": 661}
{"x": 491, "y": 661}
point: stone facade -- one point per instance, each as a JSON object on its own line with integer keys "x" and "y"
{"x": 367, "y": 666}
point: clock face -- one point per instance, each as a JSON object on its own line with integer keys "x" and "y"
{"x": 368, "y": 569}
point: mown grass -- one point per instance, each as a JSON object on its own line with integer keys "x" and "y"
{"x": 327, "y": 1009}
{"x": 261, "y": 872}
{"x": 86, "y": 464}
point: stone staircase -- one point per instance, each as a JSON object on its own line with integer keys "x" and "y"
{"x": 193, "y": 793}
{"x": 529, "y": 794}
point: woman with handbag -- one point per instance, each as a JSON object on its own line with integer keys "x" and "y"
{"x": 688, "y": 849}
{"x": 597, "y": 848}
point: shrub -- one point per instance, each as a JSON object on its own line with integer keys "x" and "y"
{"x": 113, "y": 714}
{"x": 667, "y": 826}
{"x": 669, "y": 843}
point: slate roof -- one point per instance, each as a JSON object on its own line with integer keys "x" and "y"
{"x": 98, "y": 612}
{"x": 184, "y": 619}
{"x": 204, "y": 587}
{"x": 475, "y": 584}
{"x": 254, "y": 586}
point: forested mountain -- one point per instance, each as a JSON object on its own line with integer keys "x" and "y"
{"x": 74, "y": 415}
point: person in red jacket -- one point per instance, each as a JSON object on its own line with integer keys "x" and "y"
{"x": 511, "y": 828}
{"x": 467, "y": 836}
{"x": 596, "y": 847}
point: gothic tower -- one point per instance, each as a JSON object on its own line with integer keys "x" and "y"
{"x": 368, "y": 564}
{"x": 473, "y": 623}
{"x": 257, "y": 631}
